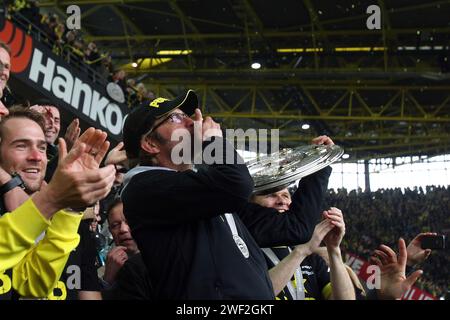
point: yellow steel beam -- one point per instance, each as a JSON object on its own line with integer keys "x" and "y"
{"x": 240, "y": 101}
{"x": 362, "y": 102}
{"x": 312, "y": 100}
{"x": 363, "y": 17}
{"x": 271, "y": 84}
{"x": 258, "y": 115}
{"x": 90, "y": 11}
{"x": 337, "y": 103}
{"x": 219, "y": 101}
{"x": 269, "y": 34}
{"x": 416, "y": 104}
{"x": 84, "y": 2}
{"x": 374, "y": 155}
{"x": 389, "y": 103}
{"x": 266, "y": 103}
{"x": 442, "y": 105}
{"x": 314, "y": 18}
{"x": 285, "y": 106}
{"x": 328, "y": 72}
{"x": 185, "y": 19}
{"x": 364, "y": 137}
{"x": 127, "y": 20}
{"x": 396, "y": 145}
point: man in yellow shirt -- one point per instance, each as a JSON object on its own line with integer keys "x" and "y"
{"x": 78, "y": 181}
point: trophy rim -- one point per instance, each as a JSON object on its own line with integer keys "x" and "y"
{"x": 264, "y": 182}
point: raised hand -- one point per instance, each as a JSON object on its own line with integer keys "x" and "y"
{"x": 320, "y": 231}
{"x": 115, "y": 260}
{"x": 393, "y": 282}
{"x": 334, "y": 237}
{"x": 78, "y": 181}
{"x": 117, "y": 155}
{"x": 207, "y": 127}
{"x": 325, "y": 140}
{"x": 72, "y": 133}
{"x": 415, "y": 252}
{"x": 96, "y": 146}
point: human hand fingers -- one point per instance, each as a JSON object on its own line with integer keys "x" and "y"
{"x": 86, "y": 135}
{"x": 323, "y": 228}
{"x": 117, "y": 155}
{"x": 382, "y": 256}
{"x": 210, "y": 128}
{"x": 412, "y": 278}
{"x": 333, "y": 215}
{"x": 403, "y": 254}
{"x": 198, "y": 115}
{"x": 95, "y": 141}
{"x": 335, "y": 210}
{"x": 103, "y": 149}
{"x": 388, "y": 250}
{"x": 68, "y": 158}
{"x": 119, "y": 146}
{"x": 89, "y": 186}
{"x": 118, "y": 249}
{"x": 62, "y": 149}
{"x": 325, "y": 140}
{"x": 73, "y": 128}
{"x": 375, "y": 260}
{"x": 421, "y": 235}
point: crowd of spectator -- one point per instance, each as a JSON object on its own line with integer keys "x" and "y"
{"x": 383, "y": 216}
{"x": 71, "y": 45}
{"x": 372, "y": 218}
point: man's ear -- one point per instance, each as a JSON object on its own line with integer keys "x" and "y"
{"x": 150, "y": 145}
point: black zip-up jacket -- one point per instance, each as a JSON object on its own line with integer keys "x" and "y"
{"x": 186, "y": 243}
{"x": 177, "y": 220}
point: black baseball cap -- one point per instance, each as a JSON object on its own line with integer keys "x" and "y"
{"x": 271, "y": 190}
{"x": 142, "y": 118}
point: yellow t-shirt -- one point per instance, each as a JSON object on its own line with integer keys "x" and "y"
{"x": 36, "y": 267}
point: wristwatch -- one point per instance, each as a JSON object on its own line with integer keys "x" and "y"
{"x": 16, "y": 181}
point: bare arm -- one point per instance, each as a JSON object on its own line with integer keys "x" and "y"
{"x": 341, "y": 284}
{"x": 281, "y": 274}
{"x": 89, "y": 295}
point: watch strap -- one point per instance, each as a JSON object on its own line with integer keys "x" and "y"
{"x": 16, "y": 181}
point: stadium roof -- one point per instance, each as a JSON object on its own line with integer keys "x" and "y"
{"x": 378, "y": 93}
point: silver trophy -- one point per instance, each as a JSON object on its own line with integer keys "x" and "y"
{"x": 288, "y": 165}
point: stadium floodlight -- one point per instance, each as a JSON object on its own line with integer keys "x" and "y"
{"x": 256, "y": 65}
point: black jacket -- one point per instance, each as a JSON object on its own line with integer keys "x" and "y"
{"x": 187, "y": 246}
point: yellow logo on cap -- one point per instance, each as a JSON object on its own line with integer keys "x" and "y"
{"x": 155, "y": 103}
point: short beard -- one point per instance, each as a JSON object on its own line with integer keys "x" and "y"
{"x": 31, "y": 189}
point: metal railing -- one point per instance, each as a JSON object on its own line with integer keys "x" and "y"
{"x": 66, "y": 51}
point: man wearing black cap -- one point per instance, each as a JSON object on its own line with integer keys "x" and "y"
{"x": 192, "y": 246}
{"x": 192, "y": 249}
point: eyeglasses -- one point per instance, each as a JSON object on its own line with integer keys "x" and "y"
{"x": 176, "y": 117}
